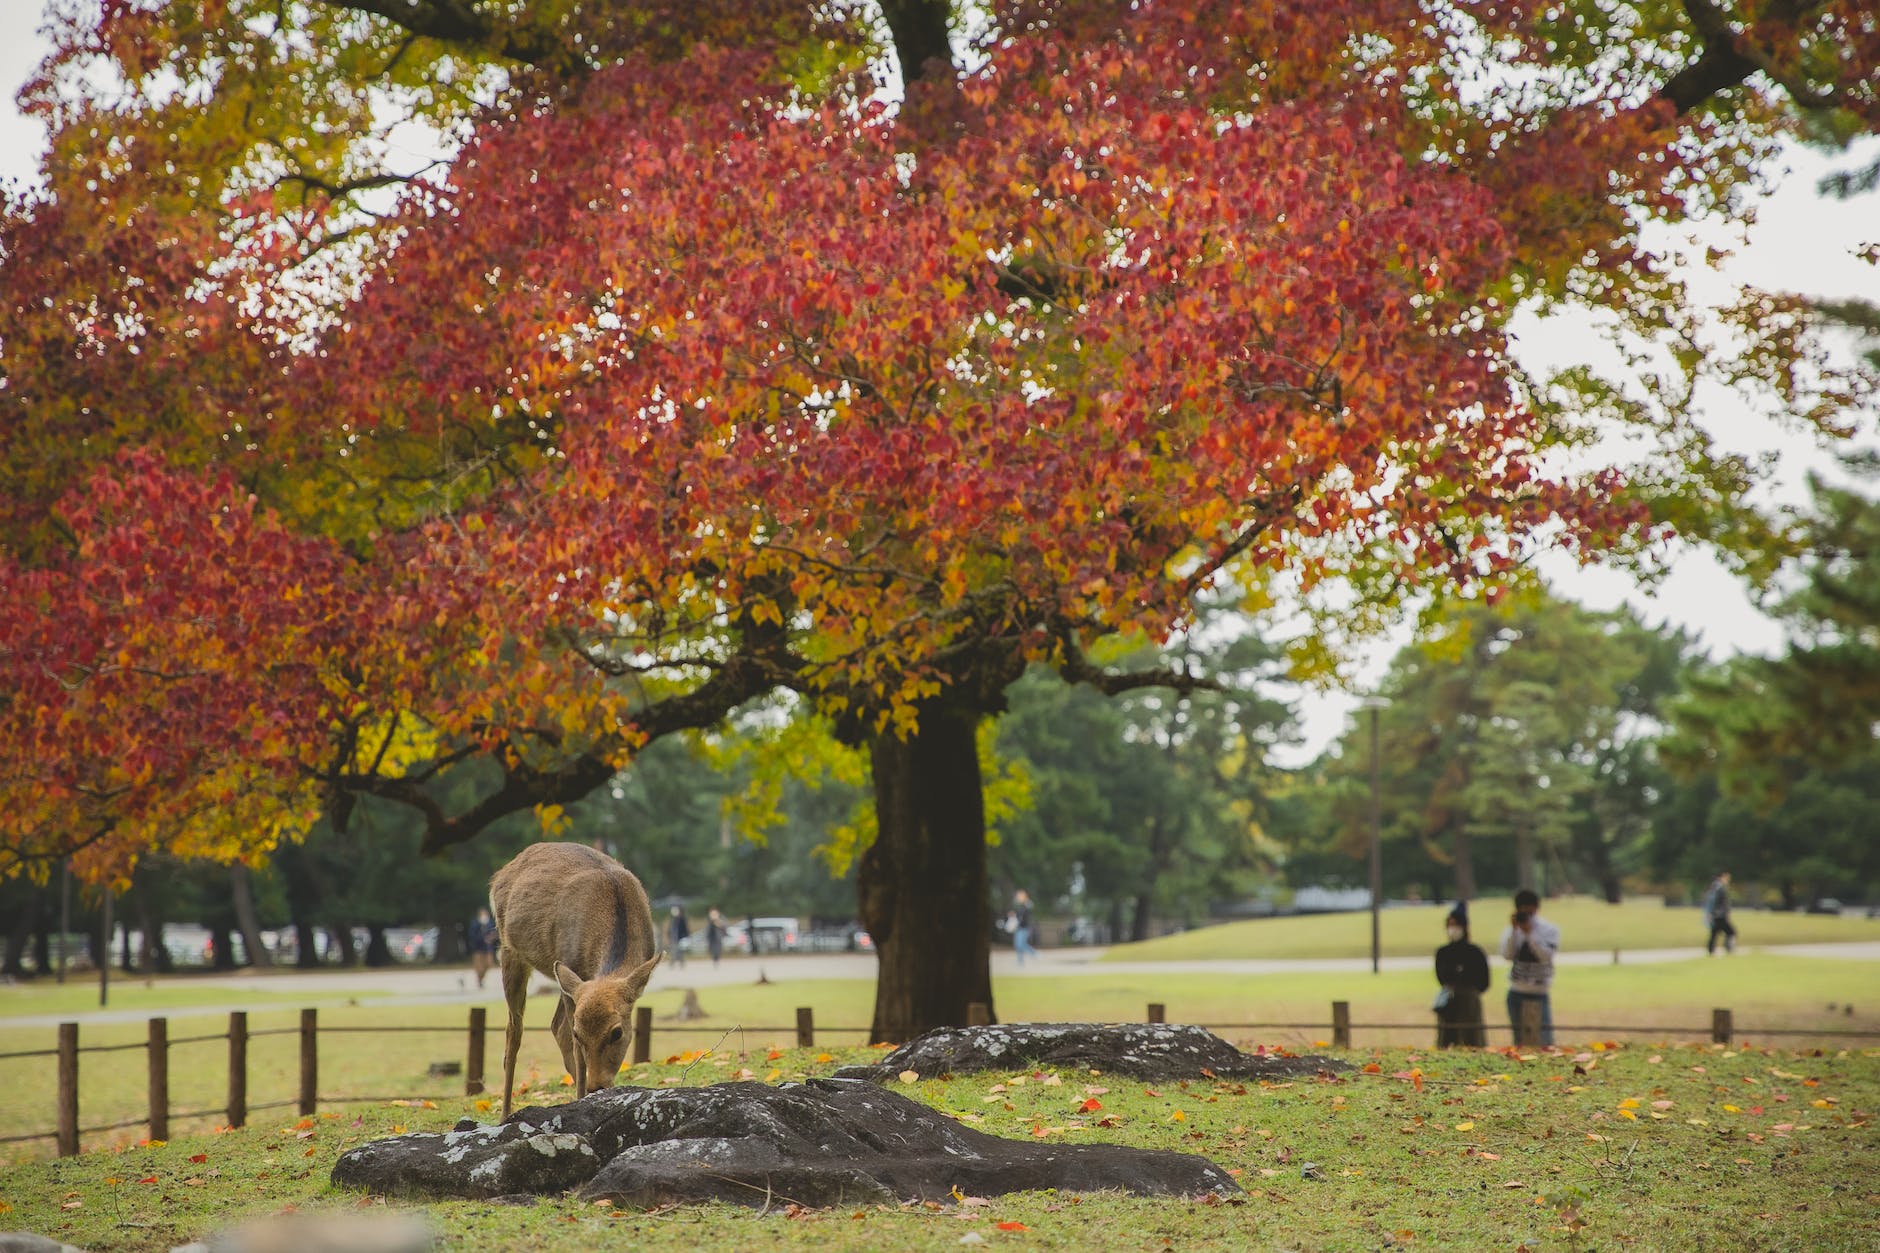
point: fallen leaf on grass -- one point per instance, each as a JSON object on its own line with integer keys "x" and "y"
{"x": 910, "y": 1076}
{"x": 199, "y": 1157}
{"x": 1091, "y": 1105}
{"x": 1011, "y": 1226}
{"x": 1465, "y": 1126}
{"x": 1514, "y": 1183}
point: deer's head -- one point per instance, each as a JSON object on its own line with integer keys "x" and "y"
{"x": 603, "y": 1018}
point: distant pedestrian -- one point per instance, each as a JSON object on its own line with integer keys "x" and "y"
{"x": 1717, "y": 913}
{"x": 479, "y": 936}
{"x": 1020, "y": 919}
{"x": 1531, "y": 943}
{"x": 715, "y": 934}
{"x": 677, "y": 929}
{"x": 1462, "y": 970}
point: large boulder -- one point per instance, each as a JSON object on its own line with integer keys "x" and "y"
{"x": 1156, "y": 1051}
{"x": 821, "y": 1143}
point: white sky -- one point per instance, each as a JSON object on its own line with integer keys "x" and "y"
{"x": 1801, "y": 242}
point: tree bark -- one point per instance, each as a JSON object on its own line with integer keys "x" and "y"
{"x": 378, "y": 952}
{"x": 242, "y": 892}
{"x": 1523, "y": 859}
{"x": 921, "y": 886}
{"x": 18, "y": 935}
{"x": 1465, "y": 863}
{"x": 343, "y": 941}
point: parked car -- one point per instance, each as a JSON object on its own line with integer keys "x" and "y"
{"x": 771, "y": 935}
{"x": 844, "y": 937}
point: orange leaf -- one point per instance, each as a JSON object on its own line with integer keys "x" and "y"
{"x": 1010, "y": 1226}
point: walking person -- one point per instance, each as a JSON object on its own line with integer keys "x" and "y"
{"x": 715, "y": 934}
{"x": 1531, "y": 943}
{"x": 479, "y": 936}
{"x": 1021, "y": 926}
{"x": 1462, "y": 970}
{"x": 677, "y": 929}
{"x": 1717, "y": 913}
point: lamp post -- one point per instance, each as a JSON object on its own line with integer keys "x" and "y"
{"x": 1375, "y": 704}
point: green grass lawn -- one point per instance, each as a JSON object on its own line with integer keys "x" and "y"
{"x": 1671, "y": 1001}
{"x": 1585, "y": 924}
{"x": 1644, "y": 1147}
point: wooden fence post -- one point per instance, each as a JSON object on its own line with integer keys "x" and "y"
{"x": 978, "y": 1014}
{"x": 1341, "y": 1024}
{"x": 473, "y": 1056}
{"x": 238, "y": 1068}
{"x": 159, "y": 1058}
{"x": 68, "y": 1089}
{"x": 1158, "y": 1012}
{"x": 1529, "y": 1033}
{"x": 805, "y": 1027}
{"x": 309, "y": 1061}
{"x": 643, "y": 1034}
{"x": 1721, "y": 1026}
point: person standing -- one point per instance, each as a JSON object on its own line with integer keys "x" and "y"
{"x": 715, "y": 934}
{"x": 1462, "y": 969}
{"x": 479, "y": 936}
{"x": 1531, "y": 943}
{"x": 1021, "y": 926}
{"x": 1717, "y": 913}
{"x": 677, "y": 929}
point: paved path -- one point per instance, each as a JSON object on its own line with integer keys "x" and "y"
{"x": 428, "y": 985}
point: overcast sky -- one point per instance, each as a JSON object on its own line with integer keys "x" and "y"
{"x": 1801, "y": 242}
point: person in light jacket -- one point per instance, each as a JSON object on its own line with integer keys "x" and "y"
{"x": 1531, "y": 943}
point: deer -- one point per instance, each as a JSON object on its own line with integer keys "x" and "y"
{"x": 579, "y": 916}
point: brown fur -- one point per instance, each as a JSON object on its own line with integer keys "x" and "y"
{"x": 580, "y": 916}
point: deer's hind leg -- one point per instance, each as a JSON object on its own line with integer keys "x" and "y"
{"x": 516, "y": 992}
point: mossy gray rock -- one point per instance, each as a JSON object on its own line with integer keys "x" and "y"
{"x": 1154, "y": 1051}
{"x": 824, "y": 1142}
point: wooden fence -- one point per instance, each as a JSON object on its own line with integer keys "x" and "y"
{"x": 157, "y": 1046}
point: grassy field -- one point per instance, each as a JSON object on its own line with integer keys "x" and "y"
{"x": 1642, "y": 1146}
{"x": 359, "y": 1059}
{"x": 1586, "y": 924}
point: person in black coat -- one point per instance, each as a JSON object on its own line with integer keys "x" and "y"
{"x": 1462, "y": 969}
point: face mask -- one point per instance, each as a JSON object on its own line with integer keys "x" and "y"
{"x": 1455, "y": 933}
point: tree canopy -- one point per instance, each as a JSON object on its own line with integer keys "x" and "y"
{"x": 704, "y": 365}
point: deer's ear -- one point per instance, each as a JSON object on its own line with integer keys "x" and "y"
{"x": 569, "y": 980}
{"x": 638, "y": 976}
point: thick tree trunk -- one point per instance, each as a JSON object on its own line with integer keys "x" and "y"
{"x": 922, "y": 884}
{"x": 343, "y": 941}
{"x": 1465, "y": 863}
{"x": 1524, "y": 860}
{"x": 450, "y": 948}
{"x": 17, "y": 937}
{"x": 241, "y": 889}
{"x": 1139, "y": 921}
{"x": 221, "y": 947}
{"x": 378, "y": 952}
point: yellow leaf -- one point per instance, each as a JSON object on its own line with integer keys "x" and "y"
{"x": 1465, "y": 1126}
{"x": 910, "y": 1076}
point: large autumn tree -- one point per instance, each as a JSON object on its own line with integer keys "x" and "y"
{"x": 863, "y": 354}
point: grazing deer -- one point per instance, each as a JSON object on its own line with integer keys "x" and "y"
{"x": 569, "y": 911}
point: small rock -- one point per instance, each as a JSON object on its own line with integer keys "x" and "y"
{"x": 971, "y": 1237}
{"x": 1311, "y": 1171}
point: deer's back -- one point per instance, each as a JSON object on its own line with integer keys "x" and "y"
{"x": 572, "y": 904}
